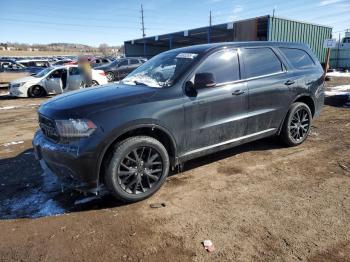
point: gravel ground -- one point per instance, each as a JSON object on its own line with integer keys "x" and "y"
{"x": 260, "y": 201}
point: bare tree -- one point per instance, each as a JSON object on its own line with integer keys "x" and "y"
{"x": 104, "y": 49}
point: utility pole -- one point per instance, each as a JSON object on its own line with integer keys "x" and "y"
{"x": 209, "y": 29}
{"x": 142, "y": 22}
{"x": 143, "y": 31}
{"x": 210, "y": 19}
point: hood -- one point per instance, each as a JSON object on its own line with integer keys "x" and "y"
{"x": 26, "y": 79}
{"x": 83, "y": 102}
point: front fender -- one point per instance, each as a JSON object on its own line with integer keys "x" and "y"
{"x": 113, "y": 135}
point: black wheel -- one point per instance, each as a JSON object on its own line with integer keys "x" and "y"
{"x": 137, "y": 169}
{"x": 110, "y": 76}
{"x": 36, "y": 91}
{"x": 296, "y": 126}
{"x": 94, "y": 83}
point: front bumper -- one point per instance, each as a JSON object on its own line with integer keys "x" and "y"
{"x": 16, "y": 92}
{"x": 73, "y": 163}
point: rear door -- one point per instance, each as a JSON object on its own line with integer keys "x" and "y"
{"x": 133, "y": 64}
{"x": 123, "y": 69}
{"x": 269, "y": 89}
{"x": 306, "y": 68}
{"x": 217, "y": 114}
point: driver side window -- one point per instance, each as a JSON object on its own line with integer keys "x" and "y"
{"x": 224, "y": 65}
{"x": 56, "y": 74}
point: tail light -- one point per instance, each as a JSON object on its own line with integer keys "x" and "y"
{"x": 102, "y": 73}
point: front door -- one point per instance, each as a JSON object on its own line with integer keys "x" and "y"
{"x": 53, "y": 83}
{"x": 216, "y": 114}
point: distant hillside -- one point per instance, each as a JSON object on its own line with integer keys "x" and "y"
{"x": 60, "y": 47}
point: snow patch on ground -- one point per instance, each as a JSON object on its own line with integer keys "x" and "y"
{"x": 338, "y": 90}
{"x": 13, "y": 143}
{"x": 336, "y": 93}
{"x": 16, "y": 107}
{"x": 8, "y": 107}
{"x": 36, "y": 202}
{"x": 339, "y": 74}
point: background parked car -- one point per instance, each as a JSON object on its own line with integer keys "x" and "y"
{"x": 34, "y": 66}
{"x": 11, "y": 70}
{"x": 54, "y": 80}
{"x": 121, "y": 67}
{"x": 100, "y": 61}
{"x": 62, "y": 62}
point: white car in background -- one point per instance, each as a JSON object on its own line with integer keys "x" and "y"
{"x": 54, "y": 80}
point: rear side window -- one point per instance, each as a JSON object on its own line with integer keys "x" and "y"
{"x": 134, "y": 62}
{"x": 260, "y": 62}
{"x": 298, "y": 58}
{"x": 123, "y": 63}
{"x": 223, "y": 65}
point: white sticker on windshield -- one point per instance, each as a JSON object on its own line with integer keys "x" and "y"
{"x": 187, "y": 55}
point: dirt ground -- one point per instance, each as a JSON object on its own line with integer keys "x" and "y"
{"x": 257, "y": 202}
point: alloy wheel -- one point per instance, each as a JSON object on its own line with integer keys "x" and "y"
{"x": 299, "y": 125}
{"x": 140, "y": 170}
{"x": 110, "y": 76}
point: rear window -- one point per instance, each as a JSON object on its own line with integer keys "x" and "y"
{"x": 260, "y": 62}
{"x": 298, "y": 58}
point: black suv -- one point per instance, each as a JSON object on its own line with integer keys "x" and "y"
{"x": 120, "y": 68}
{"x": 181, "y": 104}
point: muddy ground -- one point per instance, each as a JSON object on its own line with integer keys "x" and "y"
{"x": 257, "y": 202}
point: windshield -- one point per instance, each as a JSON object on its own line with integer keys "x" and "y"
{"x": 162, "y": 70}
{"x": 43, "y": 72}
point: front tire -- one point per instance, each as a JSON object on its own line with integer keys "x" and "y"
{"x": 36, "y": 91}
{"x": 137, "y": 169}
{"x": 296, "y": 126}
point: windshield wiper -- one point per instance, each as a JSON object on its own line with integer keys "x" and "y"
{"x": 140, "y": 83}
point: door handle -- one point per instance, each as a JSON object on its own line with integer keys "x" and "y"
{"x": 289, "y": 82}
{"x": 238, "y": 92}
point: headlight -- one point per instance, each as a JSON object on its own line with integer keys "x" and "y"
{"x": 75, "y": 127}
{"x": 17, "y": 85}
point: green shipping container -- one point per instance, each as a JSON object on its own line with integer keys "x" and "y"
{"x": 286, "y": 30}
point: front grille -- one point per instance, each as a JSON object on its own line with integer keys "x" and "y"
{"x": 48, "y": 127}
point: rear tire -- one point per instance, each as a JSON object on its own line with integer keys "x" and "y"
{"x": 138, "y": 167}
{"x": 297, "y": 124}
{"x": 36, "y": 91}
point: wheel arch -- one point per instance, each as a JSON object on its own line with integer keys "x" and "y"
{"x": 304, "y": 98}
{"x": 152, "y": 130}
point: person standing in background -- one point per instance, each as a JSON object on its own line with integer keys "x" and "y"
{"x": 85, "y": 67}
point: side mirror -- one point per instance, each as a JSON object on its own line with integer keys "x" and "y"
{"x": 204, "y": 80}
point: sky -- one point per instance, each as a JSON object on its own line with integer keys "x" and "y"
{"x": 113, "y": 21}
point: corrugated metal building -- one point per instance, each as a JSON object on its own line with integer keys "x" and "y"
{"x": 264, "y": 28}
